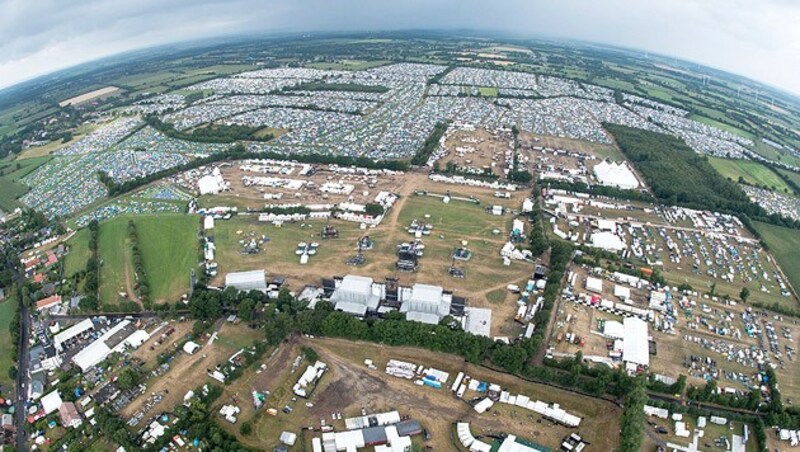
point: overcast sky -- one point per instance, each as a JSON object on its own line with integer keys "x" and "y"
{"x": 759, "y": 39}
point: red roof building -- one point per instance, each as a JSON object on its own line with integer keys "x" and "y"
{"x": 46, "y": 303}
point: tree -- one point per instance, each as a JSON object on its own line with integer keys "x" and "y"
{"x": 245, "y": 428}
{"x": 744, "y": 294}
{"x": 246, "y": 307}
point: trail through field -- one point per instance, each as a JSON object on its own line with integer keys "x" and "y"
{"x": 130, "y": 286}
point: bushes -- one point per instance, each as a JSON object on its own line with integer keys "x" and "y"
{"x": 91, "y": 284}
{"x": 211, "y": 134}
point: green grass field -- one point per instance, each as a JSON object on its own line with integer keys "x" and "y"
{"x": 169, "y": 253}
{"x": 116, "y": 260}
{"x": 487, "y": 91}
{"x": 792, "y": 176}
{"x": 784, "y": 244}
{"x": 7, "y": 310}
{"x": 752, "y": 172}
{"x": 775, "y": 154}
{"x": 75, "y": 261}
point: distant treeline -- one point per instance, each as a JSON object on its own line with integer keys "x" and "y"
{"x": 216, "y": 133}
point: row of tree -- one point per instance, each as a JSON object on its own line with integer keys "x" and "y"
{"x": 238, "y": 152}
{"x": 142, "y": 287}
{"x": 429, "y": 146}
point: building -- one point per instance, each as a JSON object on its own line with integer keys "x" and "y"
{"x": 116, "y": 339}
{"x": 69, "y": 415}
{"x": 47, "y": 303}
{"x": 74, "y": 331}
{"x": 635, "y": 347}
{"x": 250, "y": 280}
{"x": 51, "y": 402}
{"x": 615, "y": 175}
{"x": 427, "y": 304}
{"x": 478, "y": 321}
{"x": 355, "y": 295}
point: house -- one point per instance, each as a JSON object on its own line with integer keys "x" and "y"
{"x": 47, "y": 303}
{"x": 69, "y": 415}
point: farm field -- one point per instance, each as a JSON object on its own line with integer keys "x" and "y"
{"x": 349, "y": 386}
{"x": 784, "y": 244}
{"x": 169, "y": 251}
{"x": 776, "y": 154}
{"x": 794, "y": 177}
{"x": 752, "y": 172}
{"x": 8, "y": 308}
{"x": 49, "y": 148}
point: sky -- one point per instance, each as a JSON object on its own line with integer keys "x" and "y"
{"x": 758, "y": 39}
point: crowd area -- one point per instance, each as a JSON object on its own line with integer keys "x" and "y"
{"x": 70, "y": 181}
{"x": 385, "y": 112}
{"x": 784, "y": 205}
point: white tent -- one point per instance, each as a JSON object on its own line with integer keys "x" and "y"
{"x": 613, "y": 329}
{"x": 636, "y": 348}
{"x": 594, "y": 284}
{"x": 252, "y": 280}
{"x": 622, "y": 292}
{"x": 615, "y": 175}
{"x": 607, "y": 241}
{"x": 426, "y": 304}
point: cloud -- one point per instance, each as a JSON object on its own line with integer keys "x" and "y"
{"x": 760, "y": 39}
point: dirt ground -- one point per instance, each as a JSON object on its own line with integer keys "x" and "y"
{"x": 349, "y": 386}
{"x": 477, "y": 150}
{"x": 453, "y": 223}
{"x": 187, "y": 372}
{"x": 365, "y": 188}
